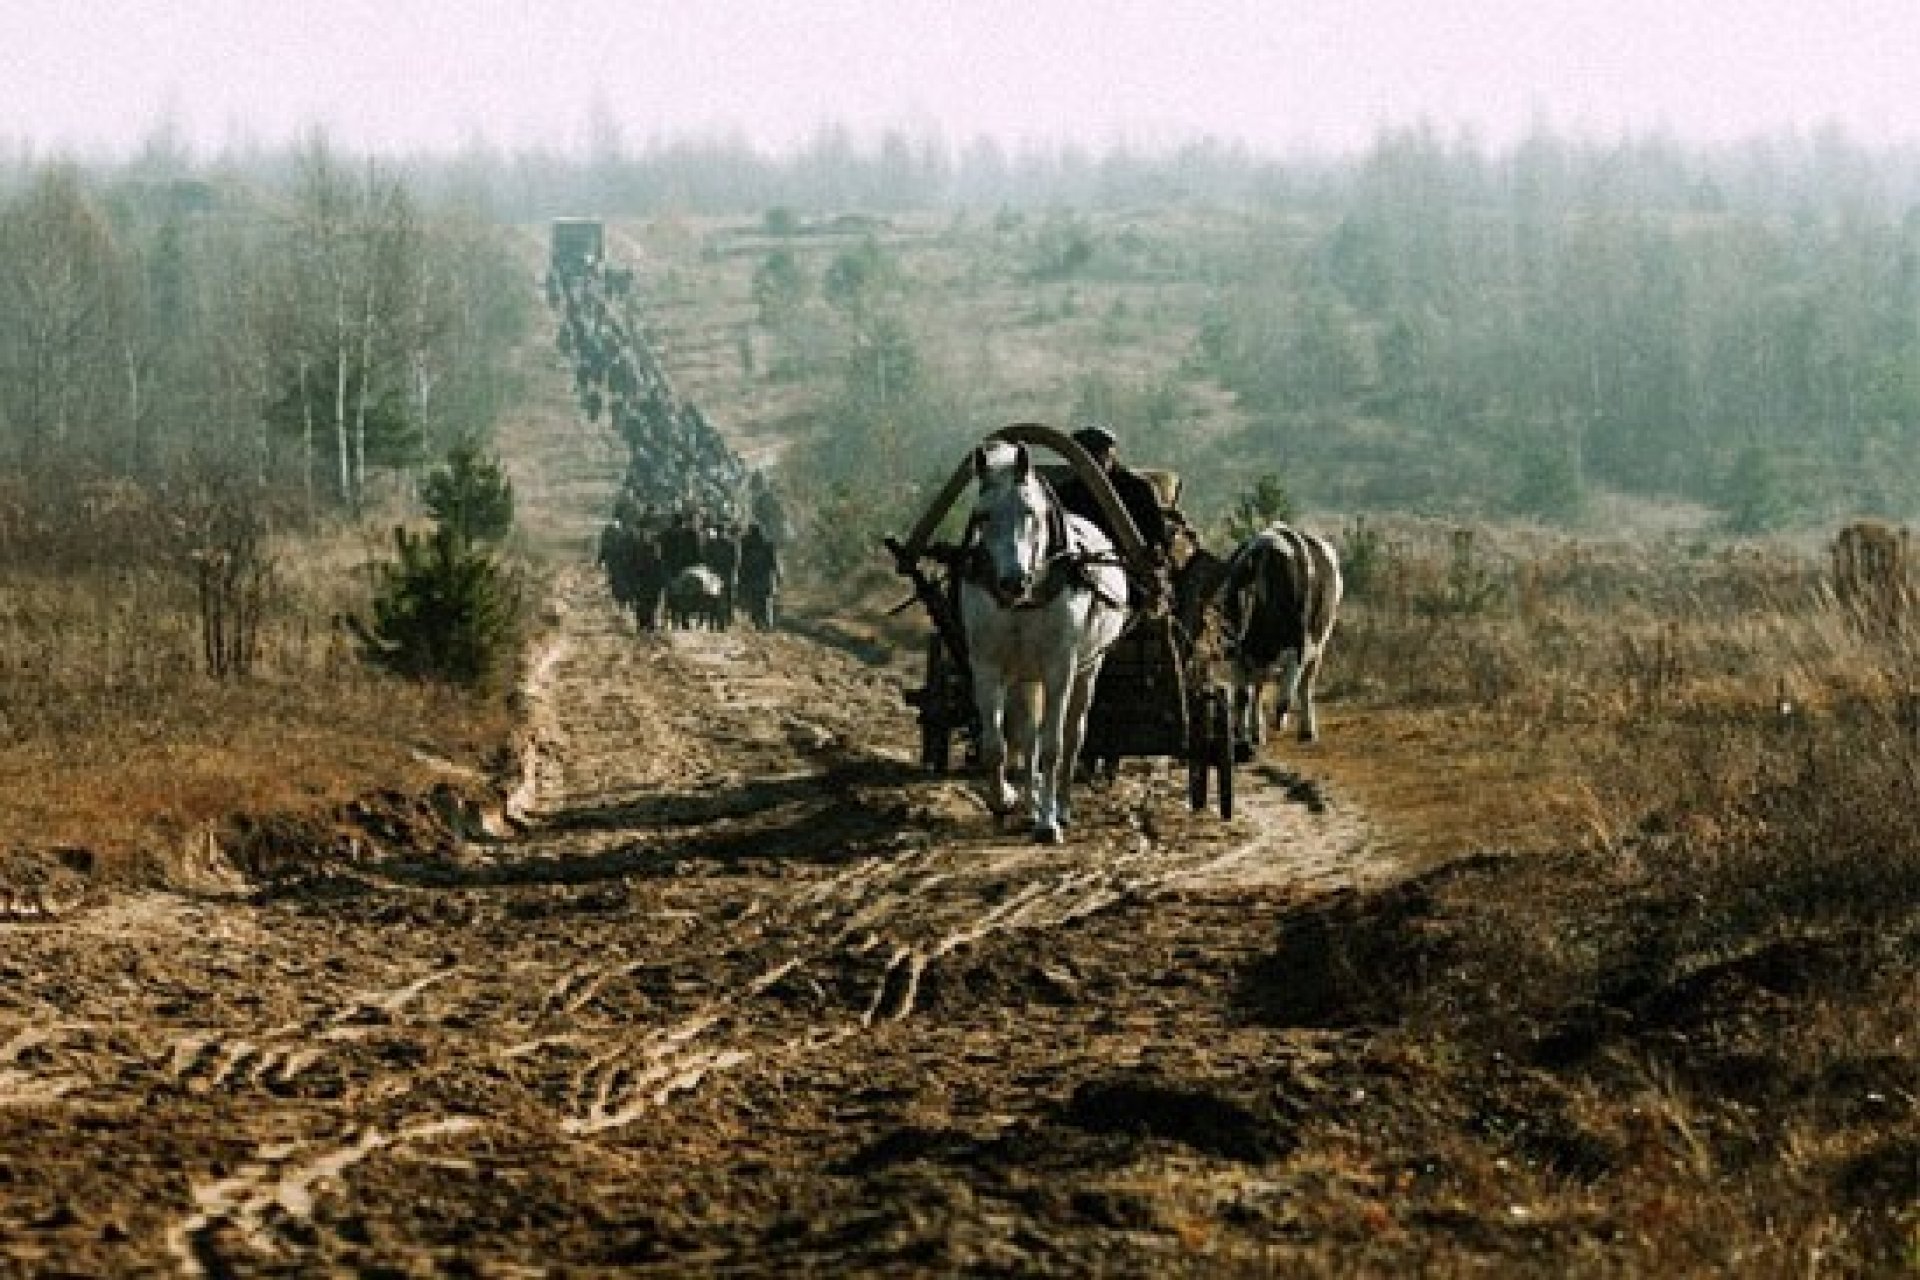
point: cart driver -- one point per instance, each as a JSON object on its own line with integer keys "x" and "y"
{"x": 1135, "y": 492}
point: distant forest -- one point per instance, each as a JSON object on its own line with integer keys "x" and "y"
{"x": 1433, "y": 322}
{"x": 310, "y": 324}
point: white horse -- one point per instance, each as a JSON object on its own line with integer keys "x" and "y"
{"x": 1043, "y": 600}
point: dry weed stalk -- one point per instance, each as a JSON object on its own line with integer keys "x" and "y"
{"x": 1650, "y": 666}
{"x": 225, "y": 546}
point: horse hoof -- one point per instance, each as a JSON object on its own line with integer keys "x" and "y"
{"x": 1046, "y": 833}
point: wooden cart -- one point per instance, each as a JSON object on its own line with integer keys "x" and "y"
{"x": 1156, "y": 697}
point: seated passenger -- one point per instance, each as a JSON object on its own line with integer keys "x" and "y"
{"x": 1136, "y": 493}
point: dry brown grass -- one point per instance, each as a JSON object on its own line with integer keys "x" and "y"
{"x": 1586, "y": 683}
{"x": 1662, "y": 1021}
{"x": 118, "y": 749}
{"x": 1687, "y": 1049}
{"x": 118, "y": 745}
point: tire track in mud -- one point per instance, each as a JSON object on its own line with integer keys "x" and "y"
{"x": 888, "y": 917}
{"x": 278, "y": 1186}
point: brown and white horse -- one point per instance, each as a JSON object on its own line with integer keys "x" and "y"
{"x": 1279, "y": 597}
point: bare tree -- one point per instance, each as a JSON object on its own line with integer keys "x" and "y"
{"x": 61, "y": 305}
{"x": 347, "y": 319}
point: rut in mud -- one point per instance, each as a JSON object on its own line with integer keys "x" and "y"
{"x": 749, "y": 989}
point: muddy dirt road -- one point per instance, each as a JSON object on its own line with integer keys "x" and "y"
{"x": 742, "y": 991}
{"x": 747, "y": 994}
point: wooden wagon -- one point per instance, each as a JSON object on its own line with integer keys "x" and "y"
{"x": 1157, "y": 696}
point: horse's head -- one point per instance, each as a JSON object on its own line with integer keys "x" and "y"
{"x": 1012, "y": 512}
{"x": 1198, "y": 585}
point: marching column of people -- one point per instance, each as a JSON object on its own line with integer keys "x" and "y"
{"x": 675, "y": 552}
{"x": 676, "y": 454}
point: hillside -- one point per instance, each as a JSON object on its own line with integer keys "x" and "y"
{"x": 1582, "y": 944}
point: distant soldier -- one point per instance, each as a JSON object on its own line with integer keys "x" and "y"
{"x": 615, "y": 556}
{"x": 766, "y": 509}
{"x": 759, "y": 576}
{"x": 720, "y": 552}
{"x": 680, "y": 545}
{"x": 649, "y": 578}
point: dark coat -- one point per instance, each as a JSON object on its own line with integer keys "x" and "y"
{"x": 1136, "y": 494}
{"x": 679, "y": 547}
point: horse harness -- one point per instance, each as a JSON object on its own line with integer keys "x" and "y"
{"x": 1062, "y": 565}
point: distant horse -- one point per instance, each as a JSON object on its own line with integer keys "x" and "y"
{"x": 1042, "y": 600}
{"x": 1280, "y": 594}
{"x": 697, "y": 596}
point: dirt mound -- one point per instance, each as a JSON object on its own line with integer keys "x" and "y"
{"x": 42, "y": 884}
{"x": 1149, "y": 1107}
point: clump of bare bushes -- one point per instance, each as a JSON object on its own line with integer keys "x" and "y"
{"x": 173, "y": 655}
{"x": 118, "y": 594}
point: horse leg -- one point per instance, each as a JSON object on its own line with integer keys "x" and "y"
{"x": 1288, "y": 689}
{"x": 1249, "y": 694}
{"x": 991, "y": 700}
{"x": 1050, "y": 780}
{"x": 1022, "y": 715}
{"x": 1073, "y": 732}
{"x": 1309, "y": 672}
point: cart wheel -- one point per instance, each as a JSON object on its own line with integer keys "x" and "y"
{"x": 936, "y": 747}
{"x": 1199, "y": 758}
{"x": 1223, "y": 751}
{"x": 936, "y": 736}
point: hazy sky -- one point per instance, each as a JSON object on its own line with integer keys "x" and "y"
{"x": 1273, "y": 73}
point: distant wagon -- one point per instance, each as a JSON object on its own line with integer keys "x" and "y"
{"x": 576, "y": 243}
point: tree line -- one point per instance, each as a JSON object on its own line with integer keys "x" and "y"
{"x": 1431, "y": 322}
{"x": 1512, "y": 334}
{"x": 312, "y": 325}
{"x": 1439, "y": 326}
